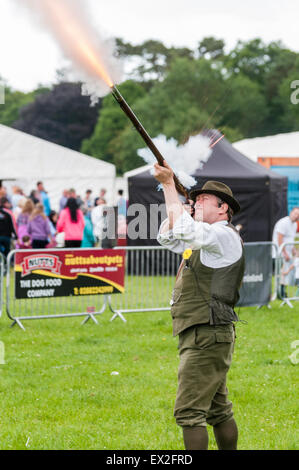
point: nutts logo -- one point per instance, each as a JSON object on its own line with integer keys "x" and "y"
{"x": 35, "y": 262}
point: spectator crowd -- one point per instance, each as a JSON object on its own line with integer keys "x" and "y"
{"x": 28, "y": 222}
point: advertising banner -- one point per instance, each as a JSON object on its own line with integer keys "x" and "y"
{"x": 60, "y": 273}
{"x": 257, "y": 281}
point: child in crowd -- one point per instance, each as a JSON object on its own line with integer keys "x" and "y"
{"x": 25, "y": 243}
{"x": 290, "y": 276}
{"x": 39, "y": 227}
{"x": 296, "y": 267}
{"x": 23, "y": 221}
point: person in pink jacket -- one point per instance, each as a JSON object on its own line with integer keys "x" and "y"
{"x": 71, "y": 222}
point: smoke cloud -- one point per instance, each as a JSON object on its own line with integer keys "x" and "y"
{"x": 91, "y": 54}
{"x": 183, "y": 159}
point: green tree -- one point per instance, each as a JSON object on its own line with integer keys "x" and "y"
{"x": 231, "y": 134}
{"x": 288, "y": 100}
{"x": 267, "y": 65}
{"x": 186, "y": 101}
{"x": 251, "y": 59}
{"x": 211, "y": 47}
{"x": 14, "y": 102}
{"x": 283, "y": 61}
{"x": 181, "y": 105}
{"x": 153, "y": 58}
{"x": 244, "y": 107}
{"x": 124, "y": 149}
{"x": 111, "y": 122}
{"x": 62, "y": 115}
{"x": 284, "y": 66}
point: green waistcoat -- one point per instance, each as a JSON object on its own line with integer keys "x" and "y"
{"x": 205, "y": 295}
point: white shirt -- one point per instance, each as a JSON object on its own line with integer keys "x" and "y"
{"x": 98, "y": 220}
{"x": 220, "y": 245}
{"x": 288, "y": 229}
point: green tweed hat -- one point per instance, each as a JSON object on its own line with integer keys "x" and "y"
{"x": 220, "y": 190}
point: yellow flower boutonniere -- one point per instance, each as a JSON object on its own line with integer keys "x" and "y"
{"x": 187, "y": 253}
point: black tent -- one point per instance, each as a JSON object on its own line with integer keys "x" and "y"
{"x": 261, "y": 193}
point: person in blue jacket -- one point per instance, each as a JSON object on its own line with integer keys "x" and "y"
{"x": 44, "y": 198}
{"x": 88, "y": 240}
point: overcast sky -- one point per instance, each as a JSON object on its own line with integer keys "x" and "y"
{"x": 29, "y": 56}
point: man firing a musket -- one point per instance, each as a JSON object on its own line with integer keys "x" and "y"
{"x": 207, "y": 284}
{"x": 202, "y": 306}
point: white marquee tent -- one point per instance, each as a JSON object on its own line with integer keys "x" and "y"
{"x": 25, "y": 159}
{"x": 280, "y": 145}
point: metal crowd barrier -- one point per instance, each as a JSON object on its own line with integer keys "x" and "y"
{"x": 149, "y": 279}
{"x": 290, "y": 280}
{"x": 275, "y": 260}
{"x": 2, "y": 273}
{"x": 57, "y": 307}
{"x": 151, "y": 274}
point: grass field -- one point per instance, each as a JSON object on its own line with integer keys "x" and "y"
{"x": 57, "y": 390}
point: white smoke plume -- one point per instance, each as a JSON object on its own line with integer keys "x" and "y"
{"x": 92, "y": 56}
{"x": 183, "y": 159}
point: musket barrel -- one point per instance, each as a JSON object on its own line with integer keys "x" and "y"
{"x": 147, "y": 139}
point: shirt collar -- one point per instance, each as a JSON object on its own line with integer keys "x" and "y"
{"x": 220, "y": 222}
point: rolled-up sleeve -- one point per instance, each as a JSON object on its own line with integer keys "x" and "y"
{"x": 168, "y": 240}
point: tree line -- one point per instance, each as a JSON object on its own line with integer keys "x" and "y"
{"x": 178, "y": 92}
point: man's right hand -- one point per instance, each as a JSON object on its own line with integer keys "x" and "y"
{"x": 163, "y": 174}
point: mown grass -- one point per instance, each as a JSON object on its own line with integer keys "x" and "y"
{"x": 57, "y": 391}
